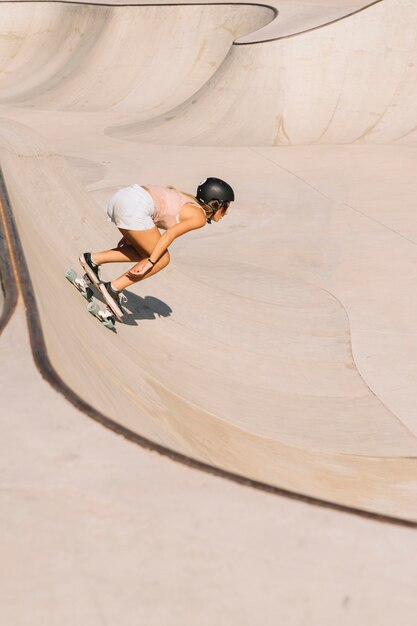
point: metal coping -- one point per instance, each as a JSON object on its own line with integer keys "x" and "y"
{"x": 7, "y": 276}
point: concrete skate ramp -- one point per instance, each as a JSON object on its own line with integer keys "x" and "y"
{"x": 252, "y": 374}
{"x": 353, "y": 81}
{"x": 126, "y": 59}
{"x": 268, "y": 347}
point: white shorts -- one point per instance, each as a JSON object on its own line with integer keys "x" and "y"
{"x": 131, "y": 208}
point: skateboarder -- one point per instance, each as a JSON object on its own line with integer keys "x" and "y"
{"x": 138, "y": 212}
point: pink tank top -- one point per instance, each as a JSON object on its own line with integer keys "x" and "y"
{"x": 168, "y": 203}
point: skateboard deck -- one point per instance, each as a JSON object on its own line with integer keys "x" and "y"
{"x": 83, "y": 285}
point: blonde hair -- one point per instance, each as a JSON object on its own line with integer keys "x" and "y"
{"x": 186, "y": 194}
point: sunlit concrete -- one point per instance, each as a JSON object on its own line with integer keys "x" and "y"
{"x": 279, "y": 344}
{"x": 94, "y": 529}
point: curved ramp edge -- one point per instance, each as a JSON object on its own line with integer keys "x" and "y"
{"x": 288, "y": 18}
{"x": 296, "y": 19}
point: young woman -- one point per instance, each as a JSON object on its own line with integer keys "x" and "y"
{"x": 138, "y": 212}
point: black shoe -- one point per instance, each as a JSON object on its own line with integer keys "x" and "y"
{"x": 113, "y": 299}
{"x": 90, "y": 268}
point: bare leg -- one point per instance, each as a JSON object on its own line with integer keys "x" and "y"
{"x": 120, "y": 254}
{"x": 117, "y": 255}
{"x": 143, "y": 242}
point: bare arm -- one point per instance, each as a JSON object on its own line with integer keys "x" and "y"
{"x": 190, "y": 220}
{"x": 172, "y": 233}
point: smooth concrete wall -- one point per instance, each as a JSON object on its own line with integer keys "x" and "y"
{"x": 141, "y": 59}
{"x": 353, "y": 81}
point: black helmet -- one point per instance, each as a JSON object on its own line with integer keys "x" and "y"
{"x": 214, "y": 189}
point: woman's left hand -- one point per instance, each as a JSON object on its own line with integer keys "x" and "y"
{"x": 139, "y": 269}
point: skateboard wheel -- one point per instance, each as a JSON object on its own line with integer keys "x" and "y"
{"x": 88, "y": 293}
{"x": 109, "y": 324}
{"x": 93, "y": 308}
{"x": 70, "y": 275}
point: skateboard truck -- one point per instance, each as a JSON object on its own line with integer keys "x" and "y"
{"x": 82, "y": 285}
{"x": 105, "y": 317}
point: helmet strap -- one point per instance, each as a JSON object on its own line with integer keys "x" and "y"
{"x": 213, "y": 213}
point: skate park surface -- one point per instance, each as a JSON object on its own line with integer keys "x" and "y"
{"x": 268, "y": 373}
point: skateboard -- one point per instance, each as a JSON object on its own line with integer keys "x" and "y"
{"x": 83, "y": 285}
